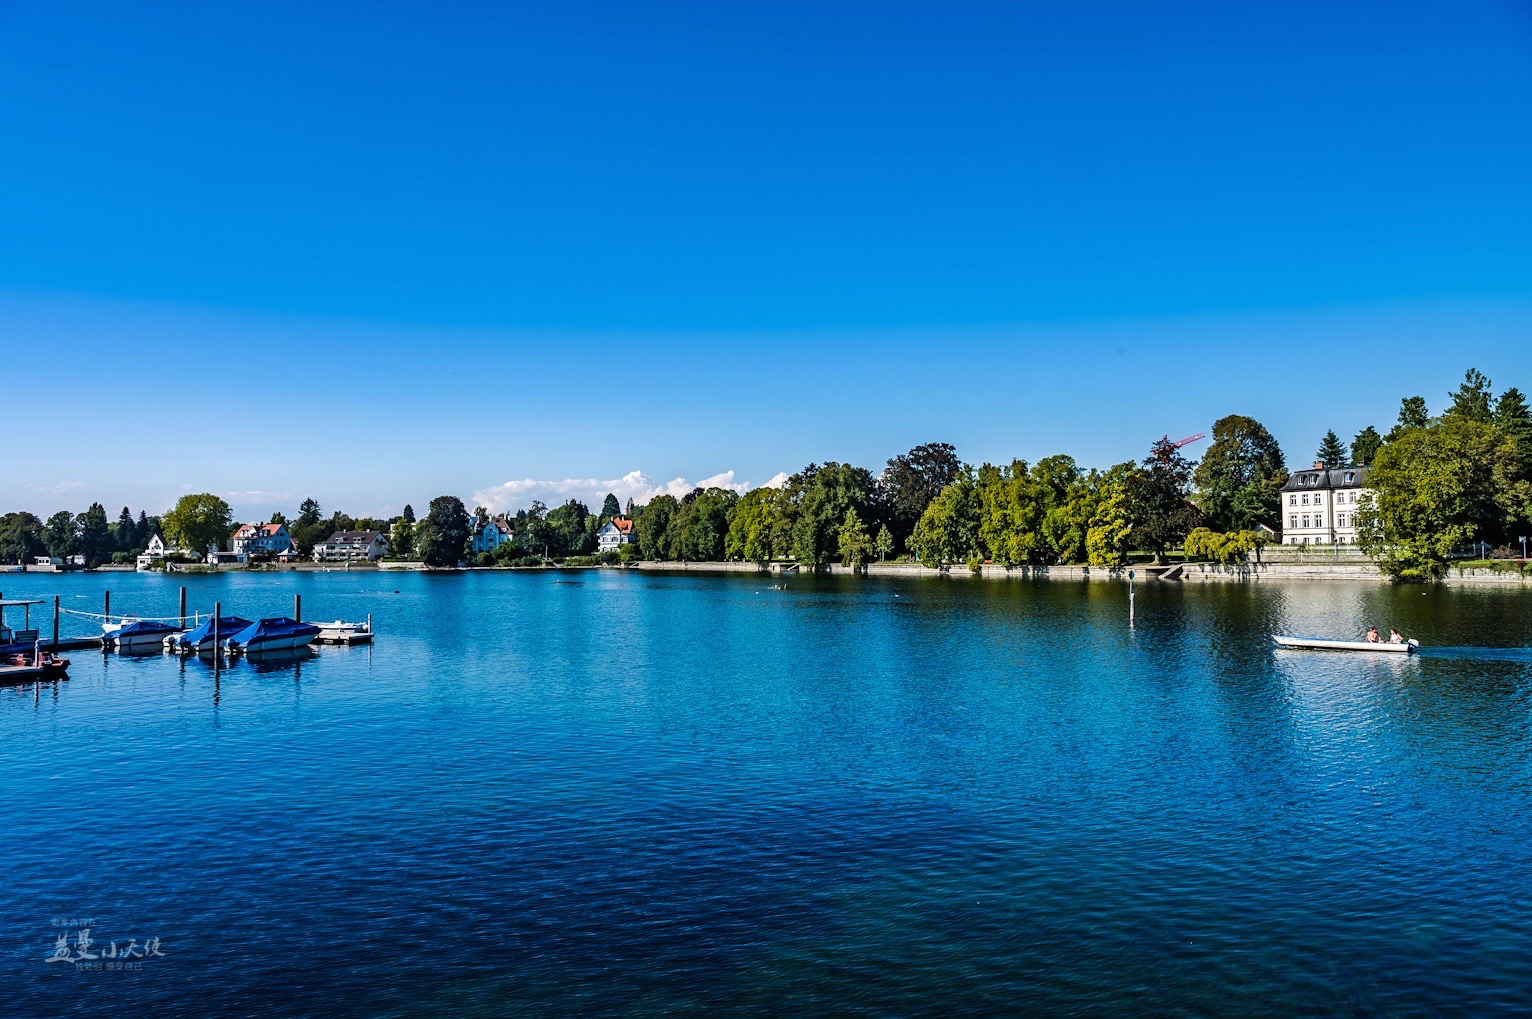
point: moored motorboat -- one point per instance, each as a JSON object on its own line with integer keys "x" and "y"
{"x": 1319, "y": 644}
{"x": 133, "y": 633}
{"x": 199, "y": 639}
{"x": 277, "y": 634}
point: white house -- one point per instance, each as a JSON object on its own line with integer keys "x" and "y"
{"x": 1319, "y": 506}
{"x": 255, "y": 539}
{"x": 347, "y": 546}
{"x": 153, "y": 553}
{"x": 491, "y": 534}
{"x": 616, "y": 531}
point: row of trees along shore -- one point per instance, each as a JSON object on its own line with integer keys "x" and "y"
{"x": 1441, "y": 482}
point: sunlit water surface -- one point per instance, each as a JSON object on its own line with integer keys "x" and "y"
{"x": 605, "y": 792}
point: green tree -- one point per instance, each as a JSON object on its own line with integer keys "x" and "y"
{"x": 199, "y": 523}
{"x": 1471, "y": 400}
{"x": 570, "y": 530}
{"x": 62, "y": 534}
{"x": 610, "y": 508}
{"x": 309, "y": 529}
{"x": 1514, "y": 421}
{"x": 1111, "y": 519}
{"x": 1162, "y": 515}
{"x": 1412, "y": 414}
{"x": 911, "y": 480}
{"x": 652, "y": 525}
{"x": 699, "y": 528}
{"x": 21, "y": 538}
{"x": 1332, "y": 453}
{"x": 96, "y": 542}
{"x": 1238, "y": 482}
{"x": 443, "y": 535}
{"x": 751, "y": 523}
{"x": 1436, "y": 488}
{"x": 1364, "y": 448}
{"x": 855, "y": 543}
{"x": 812, "y": 506}
{"x": 948, "y": 531}
{"x": 883, "y": 544}
{"x": 125, "y": 532}
{"x": 401, "y": 539}
{"x": 409, "y": 513}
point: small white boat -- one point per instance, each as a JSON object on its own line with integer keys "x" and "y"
{"x": 339, "y": 629}
{"x": 1314, "y": 644}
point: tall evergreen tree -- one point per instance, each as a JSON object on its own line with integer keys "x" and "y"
{"x": 1331, "y": 453}
{"x": 95, "y": 535}
{"x": 443, "y": 537}
{"x": 610, "y": 507}
{"x": 409, "y": 513}
{"x": 126, "y": 535}
{"x": 1472, "y": 399}
{"x": 1364, "y": 448}
{"x": 1514, "y": 420}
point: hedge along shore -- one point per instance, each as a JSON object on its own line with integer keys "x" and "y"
{"x": 1190, "y": 572}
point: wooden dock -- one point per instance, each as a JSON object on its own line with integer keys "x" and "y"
{"x": 20, "y": 673}
{"x": 347, "y": 639}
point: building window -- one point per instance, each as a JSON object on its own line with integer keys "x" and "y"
{"x": 1292, "y": 500}
{"x": 1292, "y": 520}
{"x": 1349, "y": 476}
{"x": 1305, "y": 498}
{"x": 1305, "y": 520}
{"x": 1319, "y": 519}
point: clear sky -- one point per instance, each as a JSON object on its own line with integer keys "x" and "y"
{"x": 375, "y": 253}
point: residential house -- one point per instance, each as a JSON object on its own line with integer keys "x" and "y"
{"x": 491, "y": 534}
{"x": 1319, "y": 506}
{"x": 153, "y": 553}
{"x": 262, "y": 539}
{"x": 348, "y": 546}
{"x": 616, "y": 531}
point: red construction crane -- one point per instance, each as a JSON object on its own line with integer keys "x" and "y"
{"x": 1177, "y": 444}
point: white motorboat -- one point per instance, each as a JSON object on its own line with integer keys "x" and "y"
{"x": 338, "y": 629}
{"x": 1377, "y": 646}
{"x": 131, "y": 633}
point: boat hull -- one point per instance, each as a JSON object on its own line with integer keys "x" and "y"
{"x": 1369, "y": 647}
{"x": 284, "y": 643}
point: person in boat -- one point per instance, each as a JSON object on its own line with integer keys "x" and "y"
{"x": 1372, "y": 635}
{"x": 1394, "y": 636}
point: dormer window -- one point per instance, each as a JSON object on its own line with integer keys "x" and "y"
{"x": 1349, "y": 476}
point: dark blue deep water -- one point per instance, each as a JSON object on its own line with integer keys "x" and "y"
{"x": 594, "y": 793}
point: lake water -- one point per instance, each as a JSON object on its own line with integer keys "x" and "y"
{"x": 611, "y": 793}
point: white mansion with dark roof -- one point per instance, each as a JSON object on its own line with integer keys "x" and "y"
{"x": 1319, "y": 506}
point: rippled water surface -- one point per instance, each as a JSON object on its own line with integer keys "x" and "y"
{"x": 602, "y": 792}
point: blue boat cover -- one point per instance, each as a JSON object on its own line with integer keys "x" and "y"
{"x": 227, "y": 626}
{"x": 272, "y": 629}
{"x": 141, "y": 626}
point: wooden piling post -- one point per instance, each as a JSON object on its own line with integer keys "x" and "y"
{"x": 55, "y": 622}
{"x": 106, "y": 606}
{"x": 217, "y": 621}
{"x": 369, "y": 622}
{"x": 183, "y": 608}
{"x": 297, "y": 608}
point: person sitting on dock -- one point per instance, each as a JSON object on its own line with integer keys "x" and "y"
{"x": 1394, "y": 636}
{"x": 1372, "y": 635}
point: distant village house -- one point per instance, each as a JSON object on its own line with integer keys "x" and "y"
{"x": 1319, "y": 506}
{"x": 351, "y": 546}
{"x": 262, "y": 539}
{"x": 615, "y": 532}
{"x": 491, "y": 534}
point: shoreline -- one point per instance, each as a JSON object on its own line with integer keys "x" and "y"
{"x": 1352, "y": 572}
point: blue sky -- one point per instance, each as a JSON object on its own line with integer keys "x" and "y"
{"x": 377, "y": 253}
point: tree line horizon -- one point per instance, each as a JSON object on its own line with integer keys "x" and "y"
{"x": 1440, "y": 481}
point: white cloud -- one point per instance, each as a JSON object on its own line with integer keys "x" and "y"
{"x": 635, "y": 485}
{"x": 777, "y": 480}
